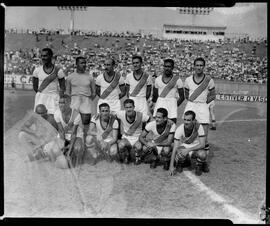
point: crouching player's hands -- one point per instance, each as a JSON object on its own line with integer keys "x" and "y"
{"x": 172, "y": 171}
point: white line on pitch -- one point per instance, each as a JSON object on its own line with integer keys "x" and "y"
{"x": 240, "y": 215}
{"x": 243, "y": 120}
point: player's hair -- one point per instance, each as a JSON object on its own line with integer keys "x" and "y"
{"x": 163, "y": 111}
{"x": 129, "y": 101}
{"x": 112, "y": 59}
{"x": 171, "y": 61}
{"x": 103, "y": 105}
{"x": 199, "y": 59}
{"x": 50, "y": 52}
{"x": 137, "y": 57}
{"x": 79, "y": 58}
{"x": 40, "y": 107}
{"x": 191, "y": 113}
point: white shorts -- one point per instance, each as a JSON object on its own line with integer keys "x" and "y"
{"x": 132, "y": 140}
{"x": 201, "y": 110}
{"x": 115, "y": 105}
{"x": 83, "y": 104}
{"x": 50, "y": 100}
{"x": 141, "y": 104}
{"x": 168, "y": 103}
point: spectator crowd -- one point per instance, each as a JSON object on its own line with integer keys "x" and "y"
{"x": 225, "y": 60}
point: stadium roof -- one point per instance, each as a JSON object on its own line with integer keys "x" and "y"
{"x": 194, "y": 26}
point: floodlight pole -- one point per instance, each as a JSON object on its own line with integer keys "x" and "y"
{"x": 195, "y": 11}
{"x": 72, "y": 10}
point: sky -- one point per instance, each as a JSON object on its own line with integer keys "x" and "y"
{"x": 250, "y": 18}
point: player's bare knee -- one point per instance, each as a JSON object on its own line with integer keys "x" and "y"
{"x": 201, "y": 155}
{"x": 122, "y": 144}
{"x": 89, "y": 140}
{"x": 113, "y": 150}
{"x": 138, "y": 145}
{"x": 77, "y": 148}
{"x": 166, "y": 151}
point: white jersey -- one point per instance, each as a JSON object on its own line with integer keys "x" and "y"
{"x": 181, "y": 136}
{"x": 126, "y": 124}
{"x": 191, "y": 85}
{"x": 77, "y": 121}
{"x": 114, "y": 95}
{"x": 100, "y": 130}
{"x": 160, "y": 85}
{"x": 152, "y": 127}
{"x": 132, "y": 82}
{"x": 41, "y": 75}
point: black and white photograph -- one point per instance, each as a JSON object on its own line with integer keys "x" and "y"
{"x": 136, "y": 112}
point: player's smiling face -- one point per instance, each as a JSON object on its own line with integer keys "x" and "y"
{"x": 45, "y": 57}
{"x": 159, "y": 118}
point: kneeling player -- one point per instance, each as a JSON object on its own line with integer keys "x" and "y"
{"x": 189, "y": 142}
{"x": 70, "y": 129}
{"x": 132, "y": 123}
{"x": 105, "y": 138}
{"x": 159, "y": 148}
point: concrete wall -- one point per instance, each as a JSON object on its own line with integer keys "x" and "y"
{"x": 252, "y": 89}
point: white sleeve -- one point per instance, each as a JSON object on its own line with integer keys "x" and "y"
{"x": 201, "y": 132}
{"x": 178, "y": 132}
{"x": 127, "y": 80}
{"x": 57, "y": 116}
{"x": 148, "y": 127}
{"x": 35, "y": 72}
{"x": 211, "y": 84}
{"x": 115, "y": 124}
{"x": 179, "y": 83}
{"x": 77, "y": 120}
{"x": 61, "y": 74}
{"x": 186, "y": 84}
{"x": 145, "y": 117}
{"x": 98, "y": 82}
{"x": 121, "y": 81}
{"x": 172, "y": 130}
{"x": 93, "y": 119}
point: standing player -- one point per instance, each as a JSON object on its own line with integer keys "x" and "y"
{"x": 105, "y": 138}
{"x": 110, "y": 86}
{"x": 132, "y": 123}
{"x": 199, "y": 91}
{"x": 45, "y": 82}
{"x": 189, "y": 142}
{"x": 81, "y": 87}
{"x": 212, "y": 115}
{"x": 158, "y": 149}
{"x": 13, "y": 84}
{"x": 164, "y": 92}
{"x": 139, "y": 85}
